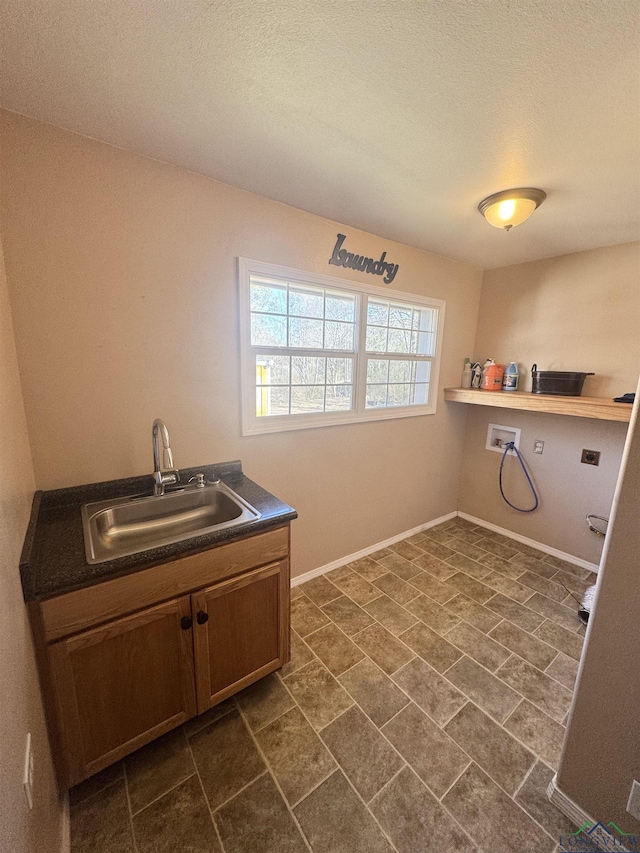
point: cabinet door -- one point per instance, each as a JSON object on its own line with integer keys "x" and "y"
{"x": 240, "y": 632}
{"x": 123, "y": 684}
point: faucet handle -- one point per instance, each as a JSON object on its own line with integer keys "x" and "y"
{"x": 167, "y": 458}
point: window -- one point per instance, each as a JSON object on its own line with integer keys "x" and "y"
{"x": 317, "y": 350}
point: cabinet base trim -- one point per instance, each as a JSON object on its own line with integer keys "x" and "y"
{"x": 132, "y": 745}
{"x": 237, "y": 686}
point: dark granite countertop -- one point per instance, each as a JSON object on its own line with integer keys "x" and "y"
{"x": 53, "y": 558}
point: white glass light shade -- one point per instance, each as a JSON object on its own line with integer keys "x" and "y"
{"x": 511, "y": 207}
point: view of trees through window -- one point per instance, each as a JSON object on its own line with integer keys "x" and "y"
{"x": 322, "y": 349}
{"x": 293, "y": 317}
{"x": 397, "y": 329}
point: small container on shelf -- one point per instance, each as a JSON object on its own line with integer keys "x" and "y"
{"x": 466, "y": 374}
{"x": 492, "y": 374}
{"x": 510, "y": 378}
{"x": 561, "y": 383}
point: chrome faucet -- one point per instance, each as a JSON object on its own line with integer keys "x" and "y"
{"x": 170, "y": 475}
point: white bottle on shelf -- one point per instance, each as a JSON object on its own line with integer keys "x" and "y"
{"x": 466, "y": 374}
{"x": 510, "y": 378}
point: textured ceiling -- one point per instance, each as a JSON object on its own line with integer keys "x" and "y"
{"x": 394, "y": 116}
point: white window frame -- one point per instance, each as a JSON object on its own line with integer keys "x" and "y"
{"x": 254, "y": 425}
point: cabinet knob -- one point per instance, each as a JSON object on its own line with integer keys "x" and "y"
{"x": 202, "y": 617}
{"x": 186, "y": 622}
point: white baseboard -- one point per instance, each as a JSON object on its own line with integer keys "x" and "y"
{"x": 314, "y": 573}
{"x": 65, "y": 821}
{"x": 561, "y": 801}
{"x": 561, "y": 555}
{"x": 342, "y": 561}
{"x": 601, "y": 837}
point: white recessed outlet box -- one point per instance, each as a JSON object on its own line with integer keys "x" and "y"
{"x": 27, "y": 775}
{"x": 633, "y": 806}
{"x": 498, "y": 436}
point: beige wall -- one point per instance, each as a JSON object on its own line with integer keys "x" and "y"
{"x": 576, "y": 312}
{"x": 602, "y": 749}
{"x": 122, "y": 276}
{"x": 21, "y": 830}
{"x": 568, "y": 489}
{"x": 123, "y": 289}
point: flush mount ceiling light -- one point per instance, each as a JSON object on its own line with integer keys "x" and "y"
{"x": 511, "y": 207}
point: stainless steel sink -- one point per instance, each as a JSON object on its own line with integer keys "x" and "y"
{"x": 117, "y": 528}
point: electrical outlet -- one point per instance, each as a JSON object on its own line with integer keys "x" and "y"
{"x": 27, "y": 775}
{"x": 538, "y": 446}
{"x": 590, "y": 457}
{"x": 633, "y": 806}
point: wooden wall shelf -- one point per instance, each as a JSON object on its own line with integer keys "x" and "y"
{"x": 601, "y": 408}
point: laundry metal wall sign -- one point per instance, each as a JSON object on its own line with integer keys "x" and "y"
{"x": 342, "y": 258}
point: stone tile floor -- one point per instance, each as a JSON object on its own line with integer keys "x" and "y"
{"x": 423, "y": 711}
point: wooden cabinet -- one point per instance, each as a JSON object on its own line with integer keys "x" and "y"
{"x": 123, "y": 684}
{"x": 128, "y": 675}
{"x": 242, "y": 637}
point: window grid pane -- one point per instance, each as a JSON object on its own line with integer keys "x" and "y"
{"x": 301, "y": 316}
{"x": 395, "y": 327}
{"x": 319, "y": 325}
{"x": 397, "y": 382}
{"x": 297, "y": 385}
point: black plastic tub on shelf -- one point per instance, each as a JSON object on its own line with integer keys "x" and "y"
{"x": 562, "y": 383}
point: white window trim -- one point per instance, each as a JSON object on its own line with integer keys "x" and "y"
{"x": 252, "y": 425}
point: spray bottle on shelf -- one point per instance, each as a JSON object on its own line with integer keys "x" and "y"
{"x": 466, "y": 374}
{"x": 510, "y": 378}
